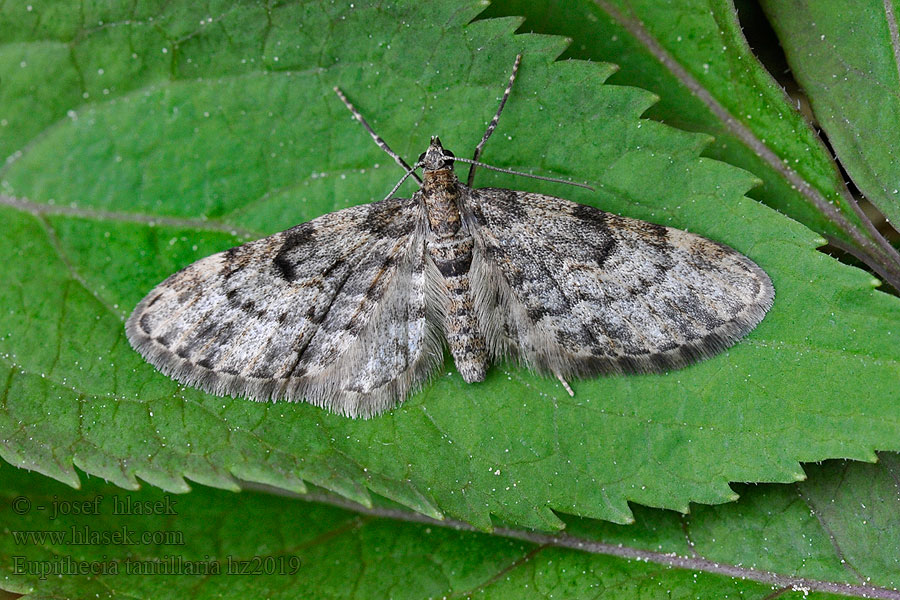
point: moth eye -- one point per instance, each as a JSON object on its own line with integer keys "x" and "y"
{"x": 421, "y": 157}
{"x": 449, "y": 154}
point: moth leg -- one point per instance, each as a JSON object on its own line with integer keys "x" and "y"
{"x": 564, "y": 383}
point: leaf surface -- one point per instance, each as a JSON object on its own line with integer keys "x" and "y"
{"x": 237, "y": 134}
{"x": 830, "y": 534}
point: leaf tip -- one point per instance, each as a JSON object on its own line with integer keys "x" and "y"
{"x": 364, "y": 498}
{"x": 620, "y": 516}
{"x": 433, "y": 512}
{"x": 70, "y": 477}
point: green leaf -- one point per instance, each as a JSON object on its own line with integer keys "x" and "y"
{"x": 694, "y": 56}
{"x": 242, "y": 134}
{"x": 847, "y": 63}
{"x": 828, "y": 534}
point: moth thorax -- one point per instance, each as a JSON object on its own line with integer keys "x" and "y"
{"x": 440, "y": 180}
{"x": 441, "y": 192}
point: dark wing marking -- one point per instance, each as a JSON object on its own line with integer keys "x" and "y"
{"x": 573, "y": 290}
{"x": 331, "y": 311}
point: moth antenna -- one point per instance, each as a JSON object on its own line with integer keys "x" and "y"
{"x": 493, "y": 123}
{"x": 410, "y": 171}
{"x": 381, "y": 143}
{"x": 541, "y": 177}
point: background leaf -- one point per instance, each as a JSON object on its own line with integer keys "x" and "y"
{"x": 848, "y": 68}
{"x": 694, "y": 56}
{"x": 239, "y": 132}
{"x": 776, "y": 539}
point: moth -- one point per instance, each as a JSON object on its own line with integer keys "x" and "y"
{"x": 353, "y": 311}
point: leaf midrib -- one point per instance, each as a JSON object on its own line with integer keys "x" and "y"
{"x": 617, "y": 550}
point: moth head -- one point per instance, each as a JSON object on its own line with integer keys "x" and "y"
{"x": 436, "y": 158}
